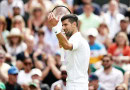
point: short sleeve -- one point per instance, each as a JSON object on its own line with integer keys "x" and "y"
{"x": 75, "y": 44}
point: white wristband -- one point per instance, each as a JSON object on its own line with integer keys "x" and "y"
{"x": 57, "y": 29}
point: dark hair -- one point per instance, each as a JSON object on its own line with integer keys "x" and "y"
{"x": 86, "y": 3}
{"x": 109, "y": 56}
{"x": 71, "y": 17}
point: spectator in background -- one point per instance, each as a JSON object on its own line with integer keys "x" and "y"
{"x": 41, "y": 44}
{"x": 78, "y": 6}
{"x": 97, "y": 49}
{"x": 121, "y": 7}
{"x": 3, "y": 67}
{"x": 93, "y": 80}
{"x": 112, "y": 18}
{"x": 109, "y": 77}
{"x": 121, "y": 46}
{"x": 3, "y": 32}
{"x": 29, "y": 52}
{"x": 121, "y": 87}
{"x": 2, "y": 86}
{"x": 51, "y": 72}
{"x": 24, "y": 76}
{"x": 37, "y": 18}
{"x": 61, "y": 82}
{"x": 124, "y": 23}
{"x": 103, "y": 36}
{"x": 12, "y": 81}
{"x": 7, "y": 7}
{"x": 15, "y": 43}
{"x": 88, "y": 19}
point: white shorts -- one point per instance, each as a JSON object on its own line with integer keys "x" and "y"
{"x": 76, "y": 86}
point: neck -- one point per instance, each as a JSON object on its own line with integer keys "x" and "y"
{"x": 29, "y": 50}
{"x": 27, "y": 71}
{"x": 120, "y": 46}
{"x": 88, "y": 15}
{"x": 108, "y": 70}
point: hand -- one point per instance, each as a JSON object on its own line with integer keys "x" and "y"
{"x": 52, "y": 21}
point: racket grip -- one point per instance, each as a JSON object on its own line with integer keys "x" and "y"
{"x": 62, "y": 54}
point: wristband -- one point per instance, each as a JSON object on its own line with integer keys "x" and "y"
{"x": 57, "y": 29}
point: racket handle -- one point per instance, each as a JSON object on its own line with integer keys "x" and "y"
{"x": 62, "y": 54}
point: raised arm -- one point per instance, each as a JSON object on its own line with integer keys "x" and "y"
{"x": 57, "y": 27}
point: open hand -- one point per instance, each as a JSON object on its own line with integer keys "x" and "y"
{"x": 52, "y": 20}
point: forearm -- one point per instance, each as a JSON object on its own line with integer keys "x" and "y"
{"x": 45, "y": 72}
{"x": 64, "y": 42}
{"x": 56, "y": 72}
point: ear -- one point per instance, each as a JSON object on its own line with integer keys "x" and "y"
{"x": 74, "y": 24}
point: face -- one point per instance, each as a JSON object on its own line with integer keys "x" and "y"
{"x": 32, "y": 88}
{"x": 10, "y": 1}
{"x": 88, "y": 9}
{"x": 91, "y": 39}
{"x": 15, "y": 39}
{"x": 18, "y": 24}
{"x": 37, "y": 12}
{"x": 113, "y": 6}
{"x": 28, "y": 64}
{"x": 30, "y": 44}
{"x": 94, "y": 83}
{"x": 40, "y": 36}
{"x": 91, "y": 87}
{"x": 121, "y": 40}
{"x": 124, "y": 26}
{"x": 36, "y": 77}
{"x": 106, "y": 62}
{"x": 103, "y": 30}
{"x": 16, "y": 10}
{"x": 13, "y": 77}
{"x": 68, "y": 27}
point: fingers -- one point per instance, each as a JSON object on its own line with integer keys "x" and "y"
{"x": 51, "y": 16}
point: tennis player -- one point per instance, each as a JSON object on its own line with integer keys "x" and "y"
{"x": 77, "y": 50}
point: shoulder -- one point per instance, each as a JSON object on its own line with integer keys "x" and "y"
{"x": 4, "y": 2}
{"x": 5, "y": 65}
{"x": 99, "y": 71}
{"x": 116, "y": 71}
{"x": 113, "y": 46}
{"x": 80, "y": 17}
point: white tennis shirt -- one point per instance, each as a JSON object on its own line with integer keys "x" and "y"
{"x": 77, "y": 59}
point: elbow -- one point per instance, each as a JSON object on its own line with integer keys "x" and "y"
{"x": 66, "y": 47}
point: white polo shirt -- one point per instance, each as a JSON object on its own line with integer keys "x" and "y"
{"x": 77, "y": 60}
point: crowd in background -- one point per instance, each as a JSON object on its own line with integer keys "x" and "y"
{"x": 30, "y": 57}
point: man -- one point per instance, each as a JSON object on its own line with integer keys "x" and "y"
{"x": 88, "y": 19}
{"x": 93, "y": 80}
{"x": 112, "y": 18}
{"x": 12, "y": 81}
{"x": 4, "y": 67}
{"x": 77, "y": 50}
{"x": 109, "y": 77}
{"x": 97, "y": 49}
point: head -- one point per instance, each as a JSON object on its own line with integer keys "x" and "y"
{"x": 2, "y": 23}
{"x": 122, "y": 39}
{"x": 10, "y": 1}
{"x": 86, "y": 1}
{"x": 37, "y": 11}
{"x": 2, "y": 56}
{"x": 15, "y": 37}
{"x": 27, "y": 64}
{"x": 103, "y": 29}
{"x": 12, "y": 74}
{"x": 18, "y": 22}
{"x": 121, "y": 87}
{"x": 16, "y": 11}
{"x": 41, "y": 35}
{"x": 113, "y": 6}
{"x": 63, "y": 73}
{"x": 34, "y": 85}
{"x": 36, "y": 74}
{"x": 69, "y": 24}
{"x": 91, "y": 87}
{"x": 124, "y": 24}
{"x": 92, "y": 34}
{"x": 107, "y": 61}
{"x": 93, "y": 80}
{"x": 30, "y": 42}
{"x": 88, "y": 9}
